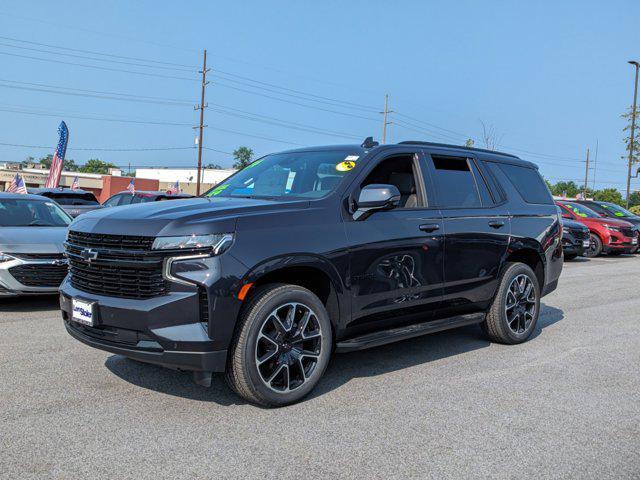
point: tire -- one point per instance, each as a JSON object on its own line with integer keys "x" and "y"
{"x": 570, "y": 256}
{"x": 595, "y": 247}
{"x": 500, "y": 323}
{"x": 276, "y": 357}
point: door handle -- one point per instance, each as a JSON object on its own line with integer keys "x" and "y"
{"x": 496, "y": 224}
{"x": 429, "y": 227}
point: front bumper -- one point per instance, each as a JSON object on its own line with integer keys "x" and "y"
{"x": 9, "y": 284}
{"x": 575, "y": 243}
{"x": 168, "y": 330}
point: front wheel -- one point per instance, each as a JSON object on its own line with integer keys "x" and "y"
{"x": 282, "y": 346}
{"x": 514, "y": 311}
{"x": 595, "y": 246}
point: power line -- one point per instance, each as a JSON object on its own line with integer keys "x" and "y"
{"x": 99, "y": 149}
{"x": 146, "y": 74}
{"x": 136, "y": 64}
{"x": 92, "y": 52}
{"x": 333, "y": 100}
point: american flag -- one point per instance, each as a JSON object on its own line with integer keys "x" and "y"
{"x": 58, "y": 157}
{"x": 174, "y": 189}
{"x": 75, "y": 185}
{"x": 17, "y": 185}
{"x": 132, "y": 187}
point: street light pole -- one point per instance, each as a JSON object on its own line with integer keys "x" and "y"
{"x": 633, "y": 127}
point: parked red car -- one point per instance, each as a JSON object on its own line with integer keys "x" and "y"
{"x": 608, "y": 235}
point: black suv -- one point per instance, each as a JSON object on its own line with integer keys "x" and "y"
{"x": 316, "y": 250}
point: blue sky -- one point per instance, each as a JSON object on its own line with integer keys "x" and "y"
{"x": 550, "y": 77}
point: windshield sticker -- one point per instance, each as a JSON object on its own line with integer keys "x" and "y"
{"x": 218, "y": 190}
{"x": 345, "y": 166}
{"x": 254, "y": 164}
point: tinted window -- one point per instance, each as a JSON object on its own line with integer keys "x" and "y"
{"x": 73, "y": 199}
{"x": 528, "y": 182}
{"x": 455, "y": 185}
{"x": 580, "y": 210}
{"x": 113, "y": 201}
{"x": 32, "y": 213}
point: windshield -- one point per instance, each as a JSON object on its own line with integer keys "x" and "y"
{"x": 289, "y": 175}
{"x": 74, "y": 199}
{"x": 580, "y": 210}
{"x": 617, "y": 210}
{"x": 31, "y": 213}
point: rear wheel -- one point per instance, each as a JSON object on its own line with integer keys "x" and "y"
{"x": 595, "y": 246}
{"x": 514, "y": 312}
{"x": 282, "y": 346}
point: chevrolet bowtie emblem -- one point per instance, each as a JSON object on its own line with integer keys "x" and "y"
{"x": 89, "y": 254}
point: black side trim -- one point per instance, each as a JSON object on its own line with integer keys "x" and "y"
{"x": 396, "y": 334}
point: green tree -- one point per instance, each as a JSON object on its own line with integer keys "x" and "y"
{"x": 627, "y": 139}
{"x": 96, "y": 166}
{"x": 609, "y": 195}
{"x": 634, "y": 199}
{"x": 214, "y": 166}
{"x": 68, "y": 164}
{"x": 635, "y": 209}
{"x": 569, "y": 189}
{"x": 469, "y": 143}
{"x": 243, "y": 156}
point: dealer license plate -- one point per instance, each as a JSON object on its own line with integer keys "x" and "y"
{"x": 634, "y": 241}
{"x": 82, "y": 311}
{"x": 586, "y": 243}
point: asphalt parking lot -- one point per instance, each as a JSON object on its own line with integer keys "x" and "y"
{"x": 564, "y": 405}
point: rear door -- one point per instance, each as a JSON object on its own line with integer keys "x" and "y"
{"x": 476, "y": 230}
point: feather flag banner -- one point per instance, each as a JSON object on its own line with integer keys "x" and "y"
{"x": 58, "y": 157}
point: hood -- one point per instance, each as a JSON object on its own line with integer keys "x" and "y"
{"x": 197, "y": 215}
{"x": 573, "y": 224}
{"x": 32, "y": 239}
{"x": 609, "y": 221}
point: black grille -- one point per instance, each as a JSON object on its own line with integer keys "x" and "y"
{"x": 204, "y": 304}
{"x": 580, "y": 233}
{"x": 39, "y": 256}
{"x": 115, "y": 242}
{"x": 125, "y": 266}
{"x": 628, "y": 232}
{"x": 39, "y": 275}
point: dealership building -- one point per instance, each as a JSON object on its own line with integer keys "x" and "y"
{"x": 103, "y": 186}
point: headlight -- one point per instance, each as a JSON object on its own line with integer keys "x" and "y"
{"x": 611, "y": 227}
{"x": 217, "y": 243}
{"x": 6, "y": 258}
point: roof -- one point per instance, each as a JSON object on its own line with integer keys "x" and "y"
{"x": 156, "y": 192}
{"x": 29, "y": 196}
{"x": 66, "y": 191}
{"x": 491, "y": 155}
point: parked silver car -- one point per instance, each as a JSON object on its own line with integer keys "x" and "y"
{"x": 32, "y": 232}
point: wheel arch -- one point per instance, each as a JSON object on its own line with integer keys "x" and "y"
{"x": 306, "y": 270}
{"x": 530, "y": 254}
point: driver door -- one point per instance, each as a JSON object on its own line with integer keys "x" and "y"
{"x": 396, "y": 256}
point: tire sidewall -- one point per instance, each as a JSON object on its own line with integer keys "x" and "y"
{"x": 511, "y": 273}
{"x": 594, "y": 238}
{"x": 291, "y": 294}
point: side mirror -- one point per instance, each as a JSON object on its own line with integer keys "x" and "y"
{"x": 376, "y": 197}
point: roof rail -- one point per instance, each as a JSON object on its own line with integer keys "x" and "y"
{"x": 472, "y": 149}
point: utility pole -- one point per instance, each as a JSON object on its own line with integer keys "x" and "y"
{"x": 586, "y": 176}
{"x": 633, "y": 127}
{"x": 201, "y": 107}
{"x": 384, "y": 118}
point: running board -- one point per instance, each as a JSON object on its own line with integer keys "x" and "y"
{"x": 383, "y": 337}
